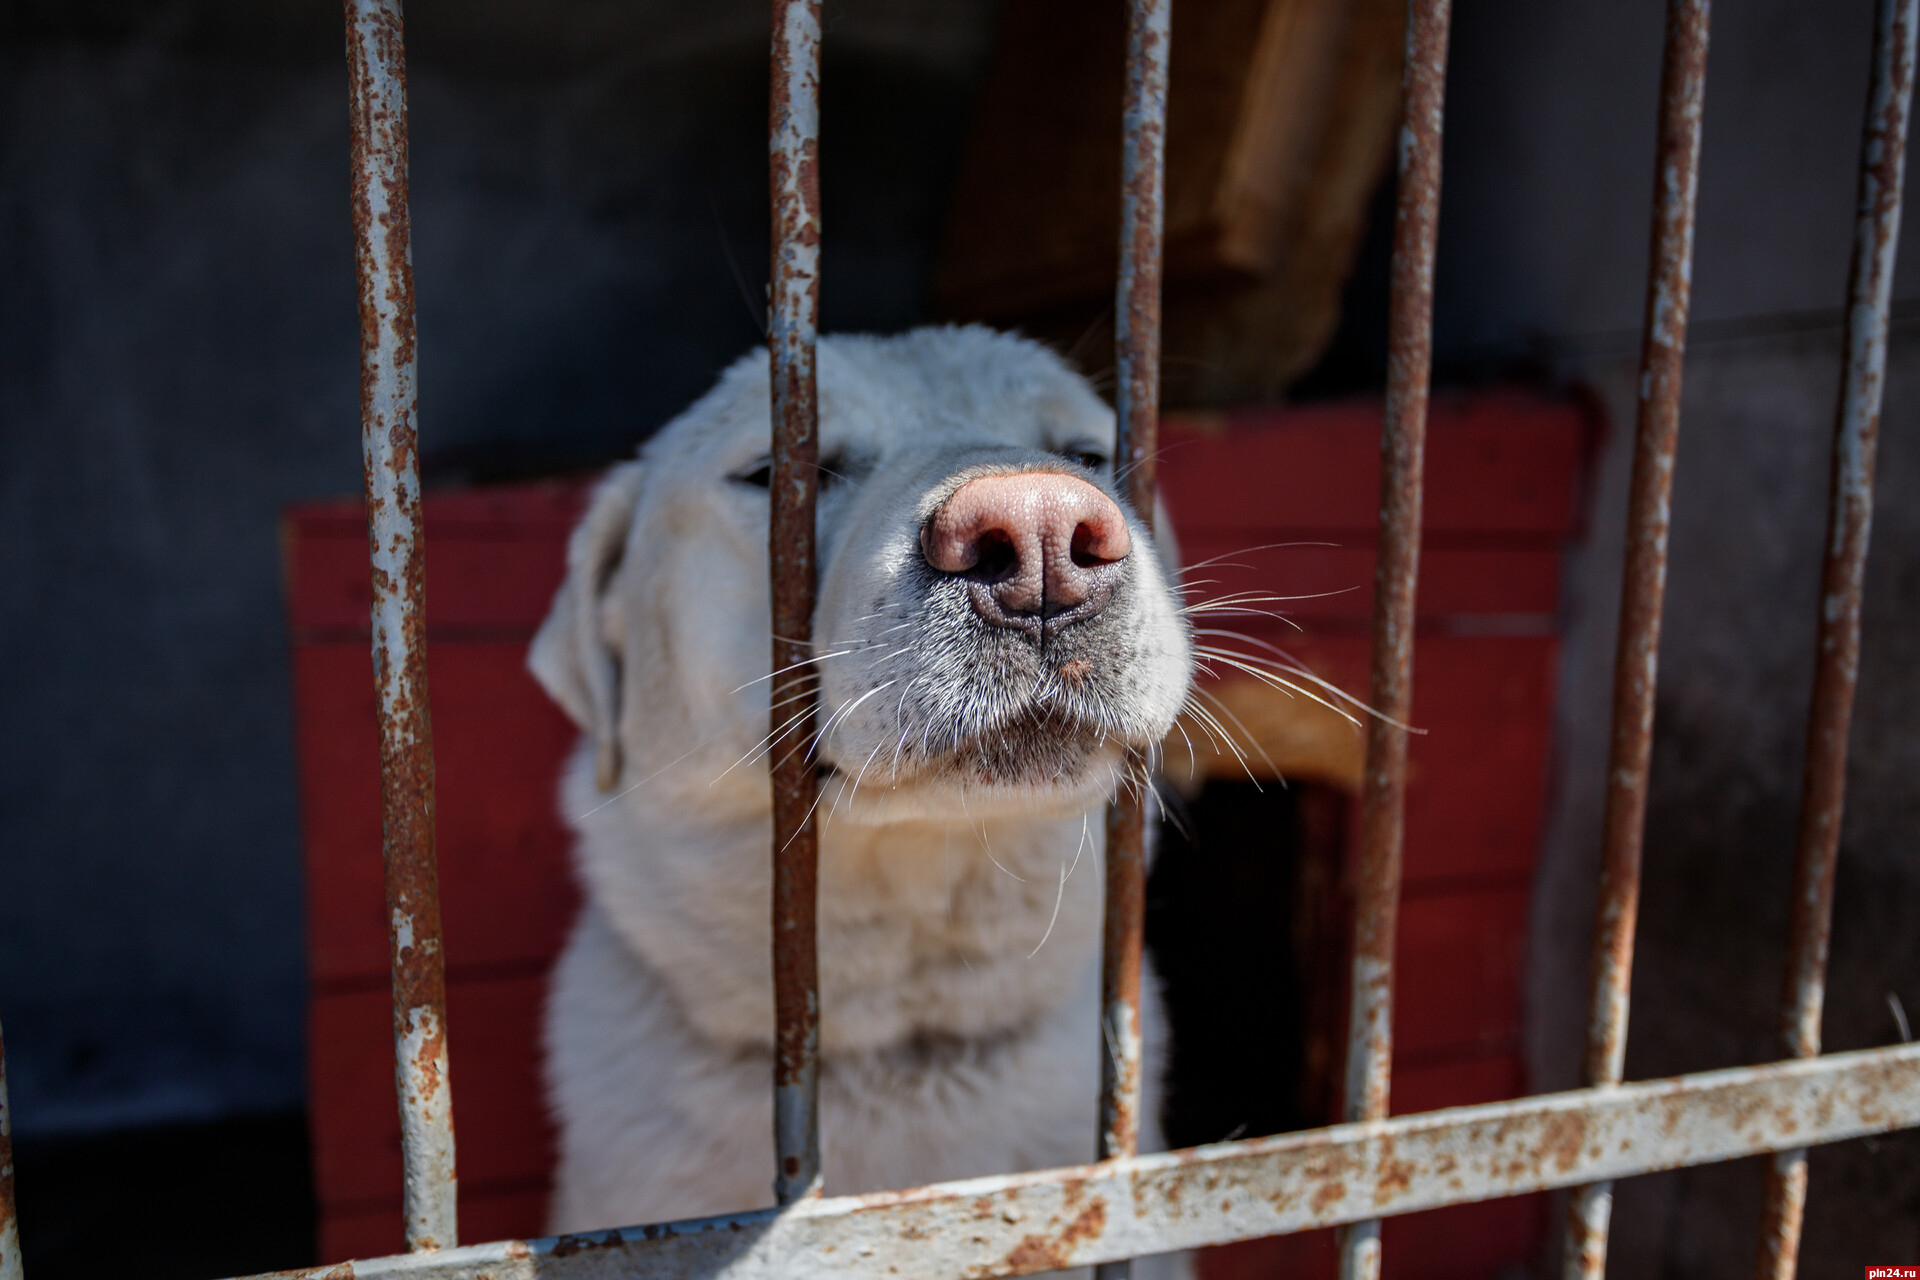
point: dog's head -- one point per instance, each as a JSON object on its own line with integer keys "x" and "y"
{"x": 995, "y": 627}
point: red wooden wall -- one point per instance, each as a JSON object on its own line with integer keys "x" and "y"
{"x": 1502, "y": 501}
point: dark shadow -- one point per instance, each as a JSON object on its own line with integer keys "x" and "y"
{"x": 233, "y": 1197}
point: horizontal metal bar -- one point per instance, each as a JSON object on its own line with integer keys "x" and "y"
{"x": 1020, "y": 1223}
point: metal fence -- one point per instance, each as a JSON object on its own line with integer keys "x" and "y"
{"x": 1124, "y": 1205}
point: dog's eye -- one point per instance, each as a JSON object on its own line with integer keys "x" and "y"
{"x": 844, "y": 468}
{"x": 833, "y": 471}
{"x": 760, "y": 475}
{"x": 1087, "y": 458}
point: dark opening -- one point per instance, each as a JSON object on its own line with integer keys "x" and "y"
{"x": 1243, "y": 919}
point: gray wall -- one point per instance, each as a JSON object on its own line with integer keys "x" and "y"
{"x": 1543, "y": 252}
{"x": 178, "y": 360}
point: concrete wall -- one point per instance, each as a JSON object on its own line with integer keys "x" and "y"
{"x": 1542, "y": 254}
{"x": 178, "y": 359}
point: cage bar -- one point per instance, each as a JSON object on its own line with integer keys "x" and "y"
{"x": 1663, "y": 344}
{"x": 1396, "y": 577}
{"x": 794, "y": 155}
{"x": 1856, "y": 435}
{"x": 9, "y": 1219}
{"x": 376, "y": 61}
{"x": 1143, "y": 162}
{"x": 1016, "y": 1224}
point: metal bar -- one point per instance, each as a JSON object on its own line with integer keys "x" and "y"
{"x": 1396, "y": 576}
{"x": 376, "y": 62}
{"x": 9, "y": 1219}
{"x": 1019, "y": 1223}
{"x": 794, "y": 172}
{"x": 1143, "y": 160}
{"x": 1876, "y": 238}
{"x": 1669, "y": 282}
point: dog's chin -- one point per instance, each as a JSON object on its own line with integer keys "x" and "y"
{"x": 972, "y": 786}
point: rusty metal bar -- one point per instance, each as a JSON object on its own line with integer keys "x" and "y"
{"x": 376, "y": 62}
{"x": 1876, "y": 239}
{"x": 1669, "y": 284}
{"x": 1136, "y": 338}
{"x": 1020, "y": 1223}
{"x": 1396, "y": 576}
{"x": 9, "y": 1219}
{"x": 794, "y": 172}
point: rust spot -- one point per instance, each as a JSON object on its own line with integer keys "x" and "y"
{"x": 567, "y": 1246}
{"x": 1327, "y": 1194}
{"x": 1040, "y": 1253}
{"x": 1561, "y": 1141}
{"x": 1395, "y": 1177}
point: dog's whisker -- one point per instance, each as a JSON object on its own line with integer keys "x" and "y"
{"x": 1086, "y": 838}
{"x": 1247, "y": 551}
{"x": 1288, "y": 687}
{"x": 847, "y": 793}
{"x": 980, "y": 832}
{"x": 1060, "y": 895}
{"x": 765, "y": 745}
{"x": 791, "y": 666}
{"x": 1292, "y": 666}
{"x": 1241, "y": 726}
{"x": 629, "y": 790}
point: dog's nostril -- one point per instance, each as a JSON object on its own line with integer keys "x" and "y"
{"x": 995, "y": 556}
{"x": 1088, "y": 544}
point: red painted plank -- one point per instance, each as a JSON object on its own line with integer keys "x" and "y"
{"x": 1476, "y": 781}
{"x": 1457, "y": 964}
{"x": 1319, "y": 585}
{"x": 1456, "y": 1082}
{"x": 500, "y": 1120}
{"x": 507, "y": 895}
{"x": 1505, "y": 463}
{"x": 494, "y": 558}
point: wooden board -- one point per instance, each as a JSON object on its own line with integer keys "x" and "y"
{"x": 1279, "y": 118}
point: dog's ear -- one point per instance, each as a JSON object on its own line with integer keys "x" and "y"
{"x": 572, "y": 656}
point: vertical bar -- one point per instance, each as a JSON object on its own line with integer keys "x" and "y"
{"x": 9, "y": 1221}
{"x": 1856, "y": 435}
{"x": 794, "y": 133}
{"x": 1396, "y": 576}
{"x": 1143, "y": 164}
{"x": 377, "y": 72}
{"x": 1663, "y": 344}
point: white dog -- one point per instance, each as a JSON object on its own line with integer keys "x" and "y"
{"x": 994, "y": 632}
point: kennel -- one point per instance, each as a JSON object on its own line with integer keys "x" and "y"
{"x": 1350, "y": 1175}
{"x": 1507, "y": 467}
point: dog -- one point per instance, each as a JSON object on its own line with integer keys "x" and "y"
{"x": 995, "y": 632}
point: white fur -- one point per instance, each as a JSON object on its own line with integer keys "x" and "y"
{"x": 955, "y": 1044}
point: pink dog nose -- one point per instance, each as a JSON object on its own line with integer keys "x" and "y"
{"x": 1040, "y": 543}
